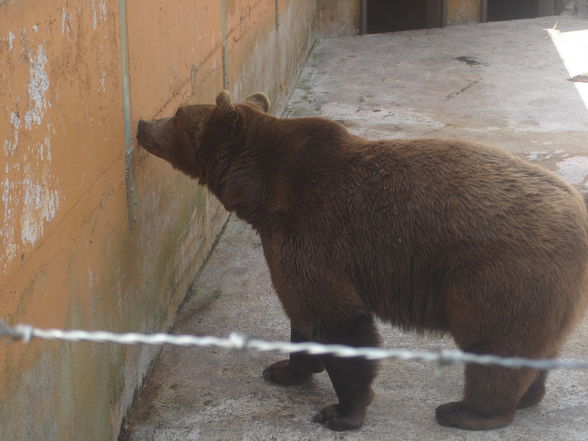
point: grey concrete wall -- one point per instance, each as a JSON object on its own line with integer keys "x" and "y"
{"x": 582, "y": 8}
{"x": 338, "y": 17}
{"x": 575, "y": 7}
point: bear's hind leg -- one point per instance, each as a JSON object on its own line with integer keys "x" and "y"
{"x": 297, "y": 369}
{"x": 492, "y": 395}
{"x": 535, "y": 393}
{"x": 351, "y": 377}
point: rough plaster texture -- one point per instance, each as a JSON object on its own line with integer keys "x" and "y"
{"x": 338, "y": 17}
{"x": 463, "y": 11}
{"x": 575, "y": 7}
{"x": 582, "y": 8}
{"x": 406, "y": 84}
{"x": 70, "y": 256}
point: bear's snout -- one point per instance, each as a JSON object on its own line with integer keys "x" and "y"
{"x": 142, "y": 125}
{"x": 143, "y": 134}
{"x": 156, "y": 135}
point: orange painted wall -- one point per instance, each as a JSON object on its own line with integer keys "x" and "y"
{"x": 94, "y": 233}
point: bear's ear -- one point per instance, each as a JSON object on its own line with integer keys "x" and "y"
{"x": 224, "y": 101}
{"x": 259, "y": 100}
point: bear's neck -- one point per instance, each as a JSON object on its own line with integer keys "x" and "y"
{"x": 276, "y": 179}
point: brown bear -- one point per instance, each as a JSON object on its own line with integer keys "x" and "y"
{"x": 427, "y": 234}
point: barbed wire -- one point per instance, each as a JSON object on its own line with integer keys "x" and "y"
{"x": 240, "y": 342}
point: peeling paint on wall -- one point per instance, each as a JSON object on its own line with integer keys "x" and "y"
{"x": 10, "y": 146}
{"x": 102, "y": 83}
{"x": 40, "y": 202}
{"x": 28, "y": 187}
{"x": 40, "y": 205}
{"x": 7, "y": 233}
{"x": 10, "y": 39}
{"x": 65, "y": 25}
{"x": 38, "y": 85}
{"x": 98, "y": 12}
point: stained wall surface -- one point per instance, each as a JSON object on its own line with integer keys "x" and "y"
{"x": 579, "y": 7}
{"x": 94, "y": 233}
{"x": 343, "y": 17}
{"x": 339, "y": 17}
{"x": 463, "y": 11}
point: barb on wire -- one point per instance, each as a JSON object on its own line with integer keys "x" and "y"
{"x": 237, "y": 341}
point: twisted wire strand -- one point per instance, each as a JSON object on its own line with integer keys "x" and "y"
{"x": 240, "y": 342}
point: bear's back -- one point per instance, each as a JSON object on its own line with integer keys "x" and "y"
{"x": 409, "y": 220}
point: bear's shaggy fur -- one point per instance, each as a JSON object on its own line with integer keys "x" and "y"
{"x": 427, "y": 234}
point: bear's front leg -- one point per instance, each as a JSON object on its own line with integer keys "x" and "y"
{"x": 351, "y": 377}
{"x": 297, "y": 369}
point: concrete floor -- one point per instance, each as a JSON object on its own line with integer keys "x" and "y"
{"x": 511, "y": 90}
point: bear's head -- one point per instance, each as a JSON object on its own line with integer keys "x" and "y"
{"x": 198, "y": 135}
